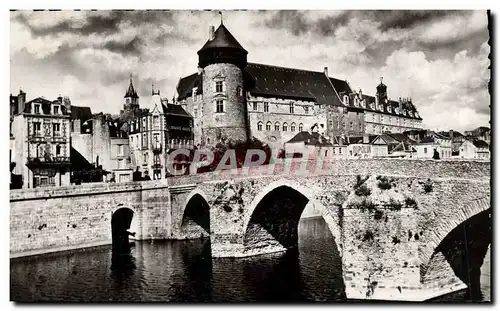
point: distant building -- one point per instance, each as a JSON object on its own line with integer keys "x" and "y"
{"x": 457, "y": 139}
{"x": 426, "y": 146}
{"x": 480, "y": 133}
{"x": 230, "y": 98}
{"x": 399, "y": 145}
{"x": 313, "y": 144}
{"x": 41, "y": 132}
{"x": 156, "y": 132}
{"x": 475, "y": 149}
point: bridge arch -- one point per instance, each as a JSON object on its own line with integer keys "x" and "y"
{"x": 272, "y": 218}
{"x": 195, "y": 221}
{"x": 121, "y": 221}
{"x": 461, "y": 248}
{"x": 445, "y": 226}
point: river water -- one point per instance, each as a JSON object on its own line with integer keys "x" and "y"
{"x": 183, "y": 271}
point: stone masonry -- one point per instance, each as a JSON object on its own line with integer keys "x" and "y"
{"x": 387, "y": 227}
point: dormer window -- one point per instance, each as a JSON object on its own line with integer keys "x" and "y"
{"x": 356, "y": 102}
{"x": 346, "y": 100}
{"x": 56, "y": 109}
{"x": 306, "y": 109}
{"x": 37, "y": 108}
{"x": 292, "y": 108}
{"x": 397, "y": 110}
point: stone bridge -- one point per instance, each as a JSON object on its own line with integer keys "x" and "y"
{"x": 406, "y": 229}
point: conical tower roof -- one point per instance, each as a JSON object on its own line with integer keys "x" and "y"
{"x": 131, "y": 91}
{"x": 222, "y": 39}
{"x": 223, "y": 48}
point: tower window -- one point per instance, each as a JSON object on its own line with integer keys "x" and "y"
{"x": 268, "y": 126}
{"x": 292, "y": 107}
{"x": 255, "y": 106}
{"x": 219, "y": 106}
{"x": 259, "y": 126}
{"x": 218, "y": 86}
{"x": 277, "y": 126}
{"x": 266, "y": 107}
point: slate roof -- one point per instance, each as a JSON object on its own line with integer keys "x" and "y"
{"x": 222, "y": 39}
{"x": 359, "y": 139}
{"x": 186, "y": 85}
{"x": 478, "y": 143}
{"x": 81, "y": 113}
{"x": 313, "y": 138}
{"x": 131, "y": 91}
{"x": 45, "y": 105}
{"x": 175, "y": 110}
{"x": 297, "y": 84}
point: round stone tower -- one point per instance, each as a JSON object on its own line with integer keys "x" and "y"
{"x": 224, "y": 116}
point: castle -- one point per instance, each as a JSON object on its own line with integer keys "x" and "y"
{"x": 232, "y": 99}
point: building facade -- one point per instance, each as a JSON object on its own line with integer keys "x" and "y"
{"x": 230, "y": 98}
{"x": 157, "y": 131}
{"x": 475, "y": 149}
{"x": 41, "y": 132}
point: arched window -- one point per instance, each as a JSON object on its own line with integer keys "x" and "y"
{"x": 259, "y": 126}
{"x": 292, "y": 127}
{"x": 356, "y": 102}
{"x": 277, "y": 126}
{"x": 285, "y": 127}
{"x": 301, "y": 127}
{"x": 268, "y": 126}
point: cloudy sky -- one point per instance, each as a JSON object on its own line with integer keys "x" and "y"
{"x": 439, "y": 58}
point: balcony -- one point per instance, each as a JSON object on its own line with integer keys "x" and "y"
{"x": 48, "y": 161}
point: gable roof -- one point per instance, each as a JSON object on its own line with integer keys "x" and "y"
{"x": 173, "y": 109}
{"x": 186, "y": 85}
{"x": 313, "y": 138}
{"x": 478, "y": 143}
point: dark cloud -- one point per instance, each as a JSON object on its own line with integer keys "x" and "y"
{"x": 132, "y": 47}
{"x": 294, "y": 21}
{"x": 404, "y": 19}
{"x": 96, "y": 23}
{"x": 327, "y": 25}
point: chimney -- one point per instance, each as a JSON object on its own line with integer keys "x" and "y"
{"x": 451, "y": 135}
{"x": 211, "y": 33}
{"x": 325, "y": 70}
{"x": 67, "y": 104}
{"x": 360, "y": 93}
{"x": 21, "y": 101}
{"x": 400, "y": 105}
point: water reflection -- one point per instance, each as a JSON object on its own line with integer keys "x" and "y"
{"x": 183, "y": 271}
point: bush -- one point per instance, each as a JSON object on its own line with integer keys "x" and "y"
{"x": 383, "y": 183}
{"x": 410, "y": 202}
{"x": 367, "y": 205}
{"x": 395, "y": 205}
{"x": 360, "y": 181}
{"x": 362, "y": 191}
{"x": 368, "y": 236}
